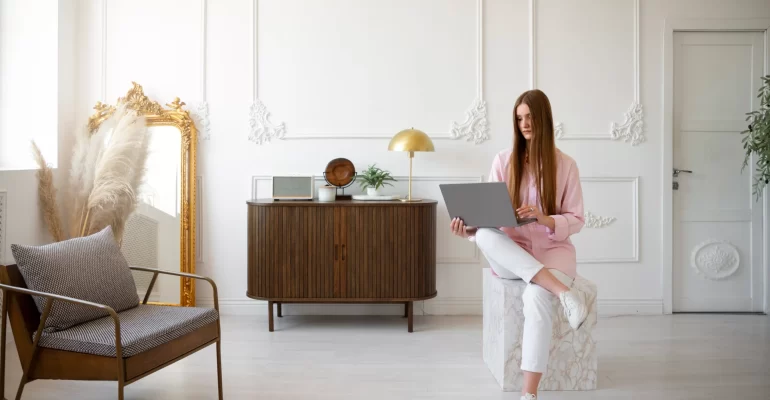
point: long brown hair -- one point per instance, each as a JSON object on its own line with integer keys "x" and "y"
{"x": 542, "y": 152}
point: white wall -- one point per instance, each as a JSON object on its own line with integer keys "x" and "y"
{"x": 28, "y": 80}
{"x": 354, "y": 72}
{"x": 44, "y": 111}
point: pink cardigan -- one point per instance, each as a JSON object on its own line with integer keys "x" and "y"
{"x": 552, "y": 248}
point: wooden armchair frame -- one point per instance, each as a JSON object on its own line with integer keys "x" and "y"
{"x": 46, "y": 363}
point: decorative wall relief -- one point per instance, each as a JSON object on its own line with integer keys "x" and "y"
{"x": 715, "y": 259}
{"x": 595, "y": 221}
{"x": 201, "y": 117}
{"x": 558, "y": 130}
{"x": 632, "y": 128}
{"x": 261, "y": 130}
{"x": 475, "y": 127}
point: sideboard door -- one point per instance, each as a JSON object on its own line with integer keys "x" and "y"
{"x": 380, "y": 252}
{"x": 301, "y": 251}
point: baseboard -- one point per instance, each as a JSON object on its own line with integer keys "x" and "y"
{"x": 441, "y": 306}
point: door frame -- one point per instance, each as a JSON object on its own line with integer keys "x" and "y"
{"x": 667, "y": 206}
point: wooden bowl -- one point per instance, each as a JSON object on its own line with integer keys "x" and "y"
{"x": 340, "y": 172}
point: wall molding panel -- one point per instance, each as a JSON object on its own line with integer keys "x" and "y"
{"x": 474, "y": 128}
{"x": 199, "y": 112}
{"x": 103, "y": 92}
{"x": 469, "y": 254}
{"x": 3, "y": 222}
{"x": 631, "y": 130}
{"x": 199, "y": 219}
{"x": 603, "y": 228}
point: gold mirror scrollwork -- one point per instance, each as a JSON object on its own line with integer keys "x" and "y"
{"x": 179, "y": 118}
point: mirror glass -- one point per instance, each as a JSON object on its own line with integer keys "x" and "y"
{"x": 152, "y": 235}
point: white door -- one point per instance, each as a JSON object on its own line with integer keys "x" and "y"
{"x": 717, "y": 220}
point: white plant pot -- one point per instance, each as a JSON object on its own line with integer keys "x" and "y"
{"x": 372, "y": 191}
{"x": 327, "y": 193}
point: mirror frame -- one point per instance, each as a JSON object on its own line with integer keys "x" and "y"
{"x": 175, "y": 116}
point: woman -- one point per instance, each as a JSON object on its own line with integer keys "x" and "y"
{"x": 543, "y": 183}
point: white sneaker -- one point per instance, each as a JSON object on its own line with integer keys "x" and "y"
{"x": 575, "y": 308}
{"x": 529, "y": 396}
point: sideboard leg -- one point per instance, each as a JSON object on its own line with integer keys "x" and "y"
{"x": 280, "y": 315}
{"x": 270, "y": 314}
{"x": 410, "y": 313}
{"x": 406, "y": 309}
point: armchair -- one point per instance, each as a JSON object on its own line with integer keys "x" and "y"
{"x": 124, "y": 346}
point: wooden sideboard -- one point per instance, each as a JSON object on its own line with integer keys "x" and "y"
{"x": 345, "y": 251}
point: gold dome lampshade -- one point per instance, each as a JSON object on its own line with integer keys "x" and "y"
{"x": 411, "y": 140}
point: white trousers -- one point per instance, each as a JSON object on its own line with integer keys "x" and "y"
{"x": 510, "y": 261}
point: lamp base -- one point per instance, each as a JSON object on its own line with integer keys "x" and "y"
{"x": 408, "y": 200}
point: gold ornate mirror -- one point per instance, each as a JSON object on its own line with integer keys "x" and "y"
{"x": 161, "y": 231}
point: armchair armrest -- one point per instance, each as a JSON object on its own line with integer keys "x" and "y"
{"x": 181, "y": 274}
{"x": 50, "y": 298}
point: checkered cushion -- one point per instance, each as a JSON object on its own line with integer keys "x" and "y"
{"x": 141, "y": 328}
{"x": 89, "y": 268}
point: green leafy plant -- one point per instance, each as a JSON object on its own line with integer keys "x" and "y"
{"x": 375, "y": 177}
{"x": 758, "y": 139}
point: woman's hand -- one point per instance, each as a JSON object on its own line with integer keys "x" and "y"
{"x": 532, "y": 211}
{"x": 458, "y": 228}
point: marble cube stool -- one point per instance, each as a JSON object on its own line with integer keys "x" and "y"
{"x": 572, "y": 363}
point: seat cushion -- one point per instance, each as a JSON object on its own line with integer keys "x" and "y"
{"x": 141, "y": 328}
{"x": 90, "y": 268}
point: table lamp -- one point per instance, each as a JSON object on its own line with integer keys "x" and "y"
{"x": 411, "y": 140}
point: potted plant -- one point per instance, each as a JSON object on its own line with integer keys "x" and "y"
{"x": 758, "y": 139}
{"x": 373, "y": 179}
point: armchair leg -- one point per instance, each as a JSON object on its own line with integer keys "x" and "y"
{"x": 121, "y": 385}
{"x": 21, "y": 387}
{"x": 31, "y": 364}
{"x": 219, "y": 367}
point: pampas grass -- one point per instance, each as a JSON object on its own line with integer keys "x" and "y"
{"x": 81, "y": 178}
{"x": 107, "y": 170}
{"x": 117, "y": 173}
{"x": 46, "y": 193}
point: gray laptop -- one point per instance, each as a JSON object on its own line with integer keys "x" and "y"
{"x": 481, "y": 205}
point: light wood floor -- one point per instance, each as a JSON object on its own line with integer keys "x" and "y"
{"x": 349, "y": 357}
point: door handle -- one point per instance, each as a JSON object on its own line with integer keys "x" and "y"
{"x": 677, "y": 171}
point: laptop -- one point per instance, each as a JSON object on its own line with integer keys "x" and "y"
{"x": 481, "y": 205}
